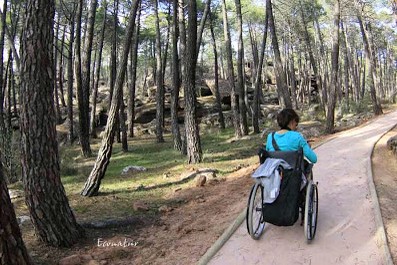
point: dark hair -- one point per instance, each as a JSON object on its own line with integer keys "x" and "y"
{"x": 285, "y": 116}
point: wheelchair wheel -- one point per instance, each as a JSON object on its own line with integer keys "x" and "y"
{"x": 254, "y": 218}
{"x": 311, "y": 211}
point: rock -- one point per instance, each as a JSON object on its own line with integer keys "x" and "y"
{"x": 200, "y": 180}
{"x": 177, "y": 189}
{"x": 132, "y": 169}
{"x": 140, "y": 206}
{"x": 165, "y": 209}
{"x": 15, "y": 193}
{"x": 93, "y": 262}
{"x": 392, "y": 144}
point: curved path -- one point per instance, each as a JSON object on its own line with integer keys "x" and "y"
{"x": 349, "y": 230}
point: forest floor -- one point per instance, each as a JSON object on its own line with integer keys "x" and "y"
{"x": 182, "y": 233}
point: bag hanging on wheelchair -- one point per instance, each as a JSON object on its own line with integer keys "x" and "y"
{"x": 284, "y": 211}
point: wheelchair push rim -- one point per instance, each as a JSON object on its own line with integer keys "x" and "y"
{"x": 254, "y": 218}
{"x": 311, "y": 211}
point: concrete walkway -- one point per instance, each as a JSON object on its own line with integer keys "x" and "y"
{"x": 350, "y": 228}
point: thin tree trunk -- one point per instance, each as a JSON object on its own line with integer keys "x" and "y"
{"x": 132, "y": 85}
{"x": 240, "y": 71}
{"x": 84, "y": 134}
{"x": 230, "y": 73}
{"x": 159, "y": 81}
{"x": 2, "y": 88}
{"x": 258, "y": 78}
{"x": 371, "y": 64}
{"x": 193, "y": 145}
{"x": 202, "y": 25}
{"x": 176, "y": 83}
{"x": 60, "y": 72}
{"x": 330, "y": 123}
{"x": 280, "y": 73}
{"x": 93, "y": 182}
{"x": 70, "y": 77}
{"x": 97, "y": 73}
{"x": 217, "y": 94}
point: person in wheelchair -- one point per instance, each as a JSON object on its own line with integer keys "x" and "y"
{"x": 288, "y": 139}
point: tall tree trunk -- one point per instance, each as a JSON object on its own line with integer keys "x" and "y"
{"x": 258, "y": 77}
{"x": 70, "y": 77}
{"x": 216, "y": 85}
{"x": 193, "y": 145}
{"x": 97, "y": 73}
{"x": 45, "y": 196}
{"x": 86, "y": 65}
{"x": 132, "y": 85}
{"x": 280, "y": 73}
{"x": 240, "y": 71}
{"x": 12, "y": 248}
{"x": 202, "y": 25}
{"x": 371, "y": 65}
{"x": 159, "y": 81}
{"x": 113, "y": 52}
{"x": 2, "y": 89}
{"x": 330, "y": 123}
{"x": 230, "y": 72}
{"x": 93, "y": 182}
{"x": 60, "y": 72}
{"x": 84, "y": 134}
{"x": 176, "y": 83}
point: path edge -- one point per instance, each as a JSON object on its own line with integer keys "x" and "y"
{"x": 222, "y": 239}
{"x": 380, "y": 227}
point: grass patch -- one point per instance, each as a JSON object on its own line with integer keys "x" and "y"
{"x": 118, "y": 192}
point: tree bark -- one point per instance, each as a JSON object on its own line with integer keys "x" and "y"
{"x": 93, "y": 182}
{"x": 371, "y": 65}
{"x": 330, "y": 123}
{"x": 70, "y": 77}
{"x": 132, "y": 85}
{"x": 45, "y": 196}
{"x": 97, "y": 73}
{"x": 258, "y": 78}
{"x": 216, "y": 73}
{"x": 240, "y": 71}
{"x": 176, "y": 82}
{"x": 281, "y": 77}
{"x": 193, "y": 144}
{"x": 12, "y": 248}
{"x": 159, "y": 81}
{"x": 230, "y": 72}
{"x": 84, "y": 134}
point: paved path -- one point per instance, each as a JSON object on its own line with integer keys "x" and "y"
{"x": 349, "y": 227}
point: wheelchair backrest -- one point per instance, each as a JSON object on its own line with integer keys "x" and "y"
{"x": 293, "y": 158}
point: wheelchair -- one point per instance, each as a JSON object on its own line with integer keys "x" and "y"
{"x": 308, "y": 197}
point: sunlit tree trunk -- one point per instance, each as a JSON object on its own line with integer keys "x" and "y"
{"x": 193, "y": 144}
{"x": 93, "y": 182}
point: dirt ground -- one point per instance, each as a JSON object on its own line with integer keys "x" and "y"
{"x": 183, "y": 233}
